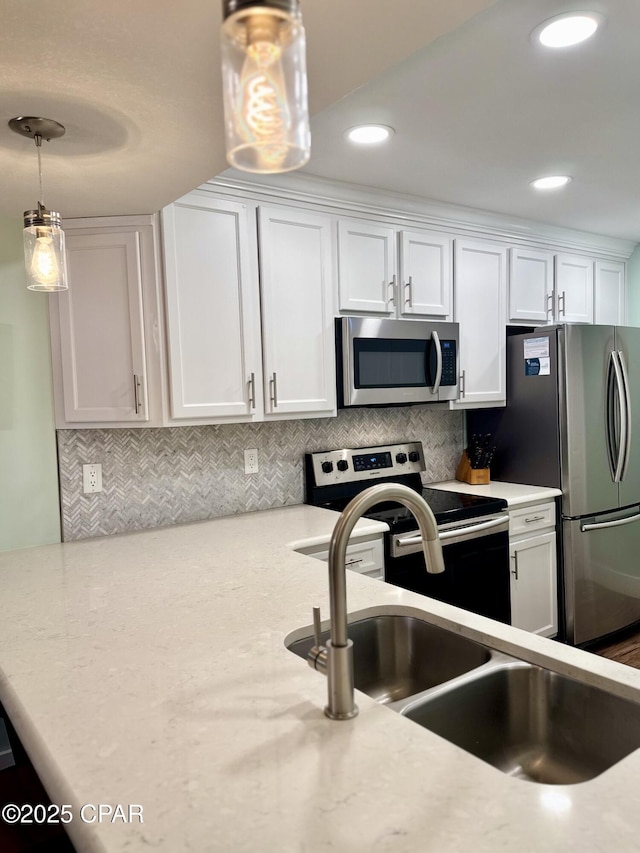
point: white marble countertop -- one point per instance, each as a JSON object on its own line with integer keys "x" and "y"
{"x": 151, "y": 668}
{"x": 515, "y": 494}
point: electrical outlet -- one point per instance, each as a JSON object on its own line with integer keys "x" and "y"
{"x": 251, "y": 461}
{"x": 92, "y": 478}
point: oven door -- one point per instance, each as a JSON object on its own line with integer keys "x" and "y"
{"x": 476, "y": 559}
{"x": 392, "y": 362}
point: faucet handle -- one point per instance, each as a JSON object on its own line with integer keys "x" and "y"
{"x": 317, "y": 657}
{"x": 316, "y": 627}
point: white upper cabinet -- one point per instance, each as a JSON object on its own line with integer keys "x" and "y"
{"x": 480, "y": 288}
{"x": 297, "y": 289}
{"x": 394, "y": 273}
{"x": 530, "y": 286}
{"x": 574, "y": 289}
{"x": 426, "y": 284}
{"x": 212, "y": 302}
{"x": 609, "y": 291}
{"x": 366, "y": 268}
{"x": 99, "y": 333}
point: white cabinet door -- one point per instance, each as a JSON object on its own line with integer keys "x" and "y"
{"x": 530, "y": 286}
{"x": 479, "y": 294}
{"x": 426, "y": 284}
{"x": 609, "y": 288}
{"x": 574, "y": 289}
{"x": 534, "y": 595}
{"x": 296, "y": 280}
{"x": 366, "y": 267}
{"x": 213, "y": 320}
{"x": 98, "y": 327}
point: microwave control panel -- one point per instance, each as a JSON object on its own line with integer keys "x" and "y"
{"x": 449, "y": 368}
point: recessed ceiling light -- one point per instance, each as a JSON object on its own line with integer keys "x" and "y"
{"x": 368, "y": 134}
{"x": 568, "y": 29}
{"x": 551, "y": 182}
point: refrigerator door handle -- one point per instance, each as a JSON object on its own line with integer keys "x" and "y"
{"x": 601, "y": 525}
{"x": 616, "y": 426}
{"x": 627, "y": 406}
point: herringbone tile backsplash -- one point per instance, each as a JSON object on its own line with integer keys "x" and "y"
{"x": 154, "y": 477}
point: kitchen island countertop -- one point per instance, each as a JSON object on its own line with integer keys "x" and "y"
{"x": 150, "y": 668}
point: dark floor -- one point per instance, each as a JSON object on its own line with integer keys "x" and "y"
{"x": 625, "y": 648}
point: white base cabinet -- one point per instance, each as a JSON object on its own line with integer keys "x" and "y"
{"x": 365, "y": 555}
{"x": 533, "y": 565}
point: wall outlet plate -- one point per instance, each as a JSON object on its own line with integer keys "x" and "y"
{"x": 251, "y": 461}
{"x": 92, "y": 478}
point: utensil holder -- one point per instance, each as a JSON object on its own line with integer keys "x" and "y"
{"x": 474, "y": 476}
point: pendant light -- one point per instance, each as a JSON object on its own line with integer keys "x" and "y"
{"x": 44, "y": 255}
{"x": 265, "y": 85}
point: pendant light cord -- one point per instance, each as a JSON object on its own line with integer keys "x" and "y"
{"x": 38, "y": 140}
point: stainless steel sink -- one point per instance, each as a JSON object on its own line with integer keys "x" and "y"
{"x": 398, "y": 656}
{"x": 532, "y": 723}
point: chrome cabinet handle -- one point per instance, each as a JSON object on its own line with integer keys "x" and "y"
{"x": 514, "y": 572}
{"x": 392, "y": 284}
{"x": 251, "y": 382}
{"x": 535, "y": 518}
{"x": 550, "y": 299}
{"x": 409, "y": 290}
{"x": 137, "y": 395}
{"x": 273, "y": 385}
{"x": 462, "y": 384}
{"x": 562, "y": 297}
{"x": 353, "y": 562}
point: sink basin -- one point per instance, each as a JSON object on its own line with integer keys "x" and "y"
{"x": 398, "y": 656}
{"x": 533, "y": 724}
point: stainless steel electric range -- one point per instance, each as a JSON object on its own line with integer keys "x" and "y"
{"x": 474, "y": 530}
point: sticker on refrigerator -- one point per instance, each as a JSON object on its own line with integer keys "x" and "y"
{"x": 537, "y": 366}
{"x": 536, "y": 348}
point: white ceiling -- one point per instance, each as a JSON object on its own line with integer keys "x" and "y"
{"x": 137, "y": 85}
{"x": 483, "y": 110}
{"x": 478, "y": 109}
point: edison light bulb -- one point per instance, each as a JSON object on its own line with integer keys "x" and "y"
{"x": 44, "y": 251}
{"x": 44, "y": 266}
{"x": 265, "y": 87}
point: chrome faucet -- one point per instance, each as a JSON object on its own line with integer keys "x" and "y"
{"x": 336, "y": 659}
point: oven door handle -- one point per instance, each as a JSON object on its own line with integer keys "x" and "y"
{"x": 456, "y": 532}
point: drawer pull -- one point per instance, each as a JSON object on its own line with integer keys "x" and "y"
{"x": 535, "y": 518}
{"x": 353, "y": 562}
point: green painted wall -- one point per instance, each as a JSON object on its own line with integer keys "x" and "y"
{"x": 29, "y": 503}
{"x": 633, "y": 288}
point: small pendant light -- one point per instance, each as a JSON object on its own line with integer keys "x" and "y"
{"x": 44, "y": 256}
{"x": 265, "y": 85}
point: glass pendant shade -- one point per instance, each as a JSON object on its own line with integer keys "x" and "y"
{"x": 44, "y": 255}
{"x": 265, "y": 86}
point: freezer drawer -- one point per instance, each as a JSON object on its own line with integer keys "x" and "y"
{"x": 601, "y": 574}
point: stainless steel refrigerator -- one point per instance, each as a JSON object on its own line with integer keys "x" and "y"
{"x": 572, "y": 421}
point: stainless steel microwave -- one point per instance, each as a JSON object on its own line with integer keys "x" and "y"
{"x": 395, "y": 362}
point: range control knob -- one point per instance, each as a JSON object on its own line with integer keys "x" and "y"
{"x": 414, "y": 456}
{"x": 401, "y": 458}
{"x": 327, "y": 467}
{"x": 342, "y": 465}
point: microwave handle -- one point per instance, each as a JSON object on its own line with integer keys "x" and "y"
{"x": 435, "y": 338}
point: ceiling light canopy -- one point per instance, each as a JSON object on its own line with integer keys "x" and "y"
{"x": 43, "y": 237}
{"x": 369, "y": 134}
{"x": 265, "y": 85}
{"x": 568, "y": 29}
{"x": 550, "y": 182}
